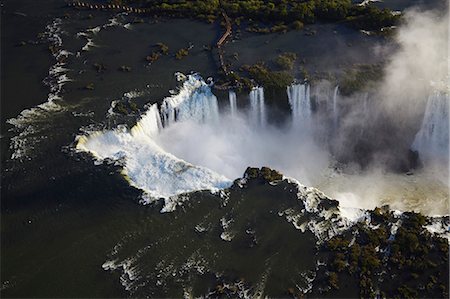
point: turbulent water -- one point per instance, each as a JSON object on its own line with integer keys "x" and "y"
{"x": 148, "y": 166}
{"x": 188, "y": 126}
{"x": 187, "y": 144}
{"x": 244, "y": 237}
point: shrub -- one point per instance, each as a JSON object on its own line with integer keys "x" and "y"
{"x": 163, "y": 48}
{"x": 183, "y": 52}
{"x": 297, "y": 25}
{"x": 286, "y": 61}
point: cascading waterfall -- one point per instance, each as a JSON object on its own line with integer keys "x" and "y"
{"x": 335, "y": 108}
{"x": 363, "y": 100}
{"x": 150, "y": 124}
{"x": 147, "y": 165}
{"x": 233, "y": 105}
{"x": 300, "y": 101}
{"x": 195, "y": 101}
{"x": 257, "y": 107}
{"x": 154, "y": 154}
{"x": 432, "y": 140}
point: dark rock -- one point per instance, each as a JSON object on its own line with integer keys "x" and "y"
{"x": 125, "y": 68}
{"x": 99, "y": 67}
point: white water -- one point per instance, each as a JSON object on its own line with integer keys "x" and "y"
{"x": 335, "y": 109}
{"x": 150, "y": 123}
{"x": 432, "y": 140}
{"x": 257, "y": 107}
{"x": 233, "y": 105}
{"x": 186, "y": 146}
{"x": 148, "y": 166}
{"x": 30, "y": 124}
{"x": 300, "y": 101}
{"x": 195, "y": 101}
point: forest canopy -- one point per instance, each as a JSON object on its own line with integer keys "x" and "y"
{"x": 368, "y": 17}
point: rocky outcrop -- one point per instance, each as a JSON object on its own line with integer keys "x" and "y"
{"x": 265, "y": 174}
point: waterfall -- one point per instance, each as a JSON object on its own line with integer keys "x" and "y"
{"x": 432, "y": 140}
{"x": 300, "y": 101}
{"x": 257, "y": 107}
{"x": 150, "y": 124}
{"x": 195, "y": 101}
{"x": 335, "y": 109}
{"x": 146, "y": 165}
{"x": 233, "y": 105}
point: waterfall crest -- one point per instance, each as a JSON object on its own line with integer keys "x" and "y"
{"x": 147, "y": 165}
{"x": 150, "y": 123}
{"x": 300, "y": 102}
{"x": 258, "y": 115}
{"x": 195, "y": 101}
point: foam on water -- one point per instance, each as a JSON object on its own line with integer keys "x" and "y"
{"x": 147, "y": 165}
{"x": 90, "y": 33}
{"x": 28, "y": 125}
{"x": 186, "y": 145}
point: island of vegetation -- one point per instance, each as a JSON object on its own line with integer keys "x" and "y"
{"x": 265, "y": 16}
{"x": 280, "y": 14}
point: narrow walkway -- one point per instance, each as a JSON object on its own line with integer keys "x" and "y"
{"x": 86, "y": 5}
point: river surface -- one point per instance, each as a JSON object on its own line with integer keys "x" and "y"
{"x": 73, "y": 229}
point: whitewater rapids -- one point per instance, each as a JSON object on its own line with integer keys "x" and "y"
{"x": 186, "y": 144}
{"x": 149, "y": 167}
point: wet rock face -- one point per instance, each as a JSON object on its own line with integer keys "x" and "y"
{"x": 265, "y": 174}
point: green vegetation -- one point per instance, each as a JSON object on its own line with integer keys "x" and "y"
{"x": 412, "y": 263}
{"x": 278, "y": 12}
{"x": 183, "y": 52}
{"x": 269, "y": 79}
{"x": 265, "y": 174}
{"x": 333, "y": 280}
{"x": 297, "y": 25}
{"x": 359, "y": 78}
{"x": 153, "y": 57}
{"x": 125, "y": 107}
{"x": 286, "y": 61}
{"x": 163, "y": 48}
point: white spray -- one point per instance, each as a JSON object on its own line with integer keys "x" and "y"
{"x": 233, "y": 105}
{"x": 300, "y": 101}
{"x": 257, "y": 107}
{"x": 432, "y": 140}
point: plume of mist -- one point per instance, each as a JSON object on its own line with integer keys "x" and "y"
{"x": 384, "y": 122}
{"x": 353, "y": 148}
{"x": 420, "y": 64}
{"x": 233, "y": 144}
{"x": 376, "y": 130}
